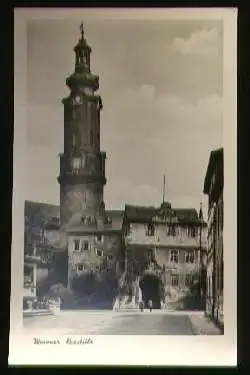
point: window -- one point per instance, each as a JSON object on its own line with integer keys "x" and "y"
{"x": 76, "y": 163}
{"x": 189, "y": 279}
{"x": 189, "y": 256}
{"x": 171, "y": 230}
{"x": 110, "y": 257}
{"x": 77, "y": 244}
{"x": 80, "y": 267}
{"x": 150, "y": 229}
{"x": 174, "y": 280}
{"x": 85, "y": 245}
{"x": 99, "y": 237}
{"x": 174, "y": 256}
{"x": 193, "y": 232}
{"x": 99, "y": 253}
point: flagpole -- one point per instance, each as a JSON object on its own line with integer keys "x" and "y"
{"x": 163, "y": 192}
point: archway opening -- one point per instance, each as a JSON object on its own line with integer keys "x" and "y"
{"x": 151, "y": 290}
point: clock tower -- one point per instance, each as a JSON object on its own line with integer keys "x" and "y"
{"x": 82, "y": 164}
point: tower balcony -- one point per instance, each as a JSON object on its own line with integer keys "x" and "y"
{"x": 81, "y": 176}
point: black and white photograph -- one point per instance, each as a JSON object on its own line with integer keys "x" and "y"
{"x": 122, "y": 181}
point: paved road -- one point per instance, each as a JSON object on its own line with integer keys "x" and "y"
{"x": 111, "y": 323}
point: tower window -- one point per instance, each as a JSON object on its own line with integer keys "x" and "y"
{"x": 76, "y": 163}
{"x": 77, "y": 244}
{"x": 189, "y": 256}
{"x": 174, "y": 256}
{"x": 174, "y": 280}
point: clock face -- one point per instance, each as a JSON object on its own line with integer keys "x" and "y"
{"x": 77, "y": 99}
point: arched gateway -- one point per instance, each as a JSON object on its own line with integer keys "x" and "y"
{"x": 151, "y": 287}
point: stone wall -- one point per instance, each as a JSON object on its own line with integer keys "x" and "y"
{"x": 78, "y": 199}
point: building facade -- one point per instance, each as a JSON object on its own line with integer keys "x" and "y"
{"x": 213, "y": 187}
{"x": 94, "y": 236}
{"x": 165, "y": 255}
{"x": 41, "y": 221}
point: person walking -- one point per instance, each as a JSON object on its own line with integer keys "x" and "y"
{"x": 141, "y": 306}
{"x": 150, "y": 305}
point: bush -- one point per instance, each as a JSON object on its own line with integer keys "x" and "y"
{"x": 84, "y": 284}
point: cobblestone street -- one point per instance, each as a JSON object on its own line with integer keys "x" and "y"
{"x": 126, "y": 323}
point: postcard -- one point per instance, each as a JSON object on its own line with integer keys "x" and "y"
{"x": 124, "y": 244}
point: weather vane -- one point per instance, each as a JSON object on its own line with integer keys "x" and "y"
{"x": 82, "y": 30}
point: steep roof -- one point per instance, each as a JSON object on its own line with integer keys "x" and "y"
{"x": 145, "y": 214}
{"x": 140, "y": 213}
{"x": 186, "y": 214}
{"x": 216, "y": 157}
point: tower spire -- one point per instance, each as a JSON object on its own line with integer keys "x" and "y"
{"x": 82, "y": 30}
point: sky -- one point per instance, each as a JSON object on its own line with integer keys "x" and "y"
{"x": 161, "y": 86}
